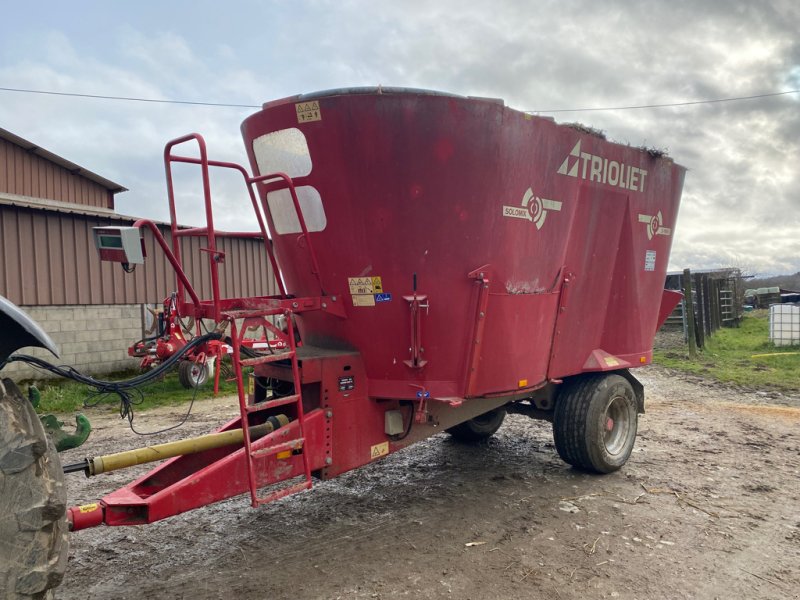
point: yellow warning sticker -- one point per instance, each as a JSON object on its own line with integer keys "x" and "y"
{"x": 361, "y": 285}
{"x": 251, "y": 384}
{"x": 611, "y": 361}
{"x": 87, "y": 508}
{"x": 379, "y": 450}
{"x": 308, "y": 111}
{"x": 377, "y": 286}
{"x": 363, "y": 300}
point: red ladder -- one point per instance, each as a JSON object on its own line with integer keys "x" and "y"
{"x": 246, "y": 408}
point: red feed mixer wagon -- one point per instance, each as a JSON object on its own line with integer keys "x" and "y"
{"x": 445, "y": 260}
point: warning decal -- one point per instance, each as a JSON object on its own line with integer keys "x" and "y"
{"x": 366, "y": 291}
{"x": 361, "y": 285}
{"x": 308, "y": 111}
{"x": 379, "y": 450}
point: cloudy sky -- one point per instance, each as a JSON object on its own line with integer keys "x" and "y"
{"x": 741, "y": 202}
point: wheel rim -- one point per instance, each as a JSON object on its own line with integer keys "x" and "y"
{"x": 616, "y": 425}
{"x": 197, "y": 374}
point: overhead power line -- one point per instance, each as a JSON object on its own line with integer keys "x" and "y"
{"x": 668, "y": 104}
{"x": 128, "y": 98}
{"x": 555, "y": 110}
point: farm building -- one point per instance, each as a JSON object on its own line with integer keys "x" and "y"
{"x": 764, "y": 297}
{"x": 50, "y": 268}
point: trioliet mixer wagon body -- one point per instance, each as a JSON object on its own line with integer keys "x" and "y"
{"x": 443, "y": 260}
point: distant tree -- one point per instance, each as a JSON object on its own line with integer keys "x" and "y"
{"x": 789, "y": 282}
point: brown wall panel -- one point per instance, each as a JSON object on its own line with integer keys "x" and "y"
{"x": 48, "y": 258}
{"x": 26, "y": 174}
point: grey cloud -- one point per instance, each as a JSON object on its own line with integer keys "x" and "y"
{"x": 743, "y": 157}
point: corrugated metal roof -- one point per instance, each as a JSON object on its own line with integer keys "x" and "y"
{"x": 63, "y": 162}
{"x": 59, "y": 206}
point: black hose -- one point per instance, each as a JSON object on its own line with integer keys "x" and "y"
{"x": 126, "y": 388}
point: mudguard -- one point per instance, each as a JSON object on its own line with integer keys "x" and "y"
{"x": 18, "y": 330}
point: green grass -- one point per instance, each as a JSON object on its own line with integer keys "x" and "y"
{"x": 64, "y": 396}
{"x": 728, "y": 357}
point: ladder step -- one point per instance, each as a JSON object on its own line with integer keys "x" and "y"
{"x": 295, "y": 444}
{"x": 268, "y": 358}
{"x": 293, "y": 399}
{"x": 277, "y": 495}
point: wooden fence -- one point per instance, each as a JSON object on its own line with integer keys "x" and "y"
{"x": 713, "y": 298}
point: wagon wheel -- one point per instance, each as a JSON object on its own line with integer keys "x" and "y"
{"x": 480, "y": 427}
{"x": 595, "y": 422}
{"x": 191, "y": 374}
{"x": 33, "y": 525}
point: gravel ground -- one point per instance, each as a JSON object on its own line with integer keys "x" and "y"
{"x": 707, "y": 507}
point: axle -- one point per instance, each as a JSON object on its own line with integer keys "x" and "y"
{"x": 130, "y": 458}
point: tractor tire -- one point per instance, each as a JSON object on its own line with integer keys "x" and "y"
{"x": 33, "y": 502}
{"x": 191, "y": 374}
{"x": 478, "y": 428}
{"x": 595, "y": 422}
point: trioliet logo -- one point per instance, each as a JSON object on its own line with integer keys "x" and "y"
{"x": 599, "y": 169}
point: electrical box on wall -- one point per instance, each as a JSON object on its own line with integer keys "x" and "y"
{"x": 119, "y": 244}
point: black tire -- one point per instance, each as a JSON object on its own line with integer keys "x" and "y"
{"x": 33, "y": 502}
{"x": 595, "y": 422}
{"x": 191, "y": 374}
{"x": 479, "y": 428}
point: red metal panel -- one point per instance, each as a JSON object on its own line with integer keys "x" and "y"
{"x": 437, "y": 186}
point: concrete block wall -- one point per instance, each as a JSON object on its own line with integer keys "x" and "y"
{"x": 93, "y": 339}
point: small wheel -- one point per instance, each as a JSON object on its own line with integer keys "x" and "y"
{"x": 33, "y": 524}
{"x": 595, "y": 422}
{"x": 480, "y": 427}
{"x": 191, "y": 374}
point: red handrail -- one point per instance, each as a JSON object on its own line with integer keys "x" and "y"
{"x": 259, "y": 217}
{"x": 272, "y": 178}
{"x": 272, "y": 181}
{"x": 210, "y": 234}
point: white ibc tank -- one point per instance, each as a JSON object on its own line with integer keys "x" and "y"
{"x": 784, "y": 324}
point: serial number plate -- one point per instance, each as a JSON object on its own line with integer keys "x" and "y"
{"x": 346, "y": 383}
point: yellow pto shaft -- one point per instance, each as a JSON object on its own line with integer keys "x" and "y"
{"x": 129, "y": 458}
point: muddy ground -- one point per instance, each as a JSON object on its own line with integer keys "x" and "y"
{"x": 707, "y": 507}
